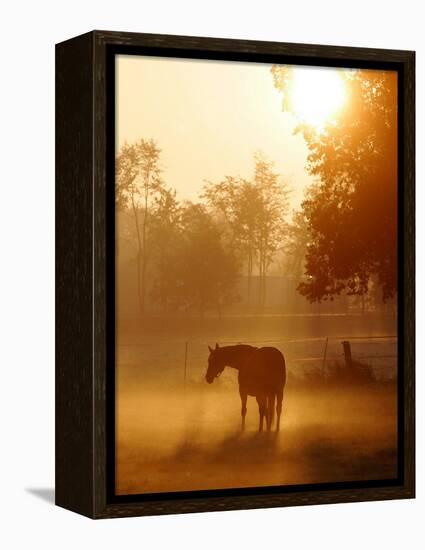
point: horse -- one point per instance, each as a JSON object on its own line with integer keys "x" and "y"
{"x": 262, "y": 374}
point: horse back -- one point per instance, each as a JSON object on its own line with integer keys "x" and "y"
{"x": 264, "y": 371}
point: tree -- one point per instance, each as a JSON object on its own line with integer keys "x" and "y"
{"x": 207, "y": 271}
{"x": 192, "y": 267}
{"x": 166, "y": 234}
{"x": 138, "y": 184}
{"x": 295, "y": 249}
{"x": 253, "y": 212}
{"x": 249, "y": 207}
{"x": 352, "y": 214}
{"x": 273, "y": 193}
{"x": 237, "y": 202}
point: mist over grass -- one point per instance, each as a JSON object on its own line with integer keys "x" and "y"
{"x": 176, "y": 436}
{"x": 191, "y": 440}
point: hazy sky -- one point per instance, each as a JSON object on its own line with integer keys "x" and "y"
{"x": 208, "y": 117}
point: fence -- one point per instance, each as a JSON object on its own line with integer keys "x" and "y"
{"x": 350, "y": 352}
{"x": 187, "y": 360}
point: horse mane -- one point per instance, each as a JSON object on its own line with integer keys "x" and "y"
{"x": 243, "y": 346}
{"x": 236, "y": 352}
{"x": 238, "y": 347}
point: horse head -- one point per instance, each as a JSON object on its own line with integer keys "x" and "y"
{"x": 216, "y": 364}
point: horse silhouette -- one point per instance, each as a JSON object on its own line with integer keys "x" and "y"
{"x": 262, "y": 374}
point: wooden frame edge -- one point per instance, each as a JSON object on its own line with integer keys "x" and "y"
{"x": 91, "y": 381}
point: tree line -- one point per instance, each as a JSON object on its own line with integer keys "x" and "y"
{"x": 191, "y": 255}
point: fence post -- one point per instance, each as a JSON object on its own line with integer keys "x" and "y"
{"x": 185, "y": 362}
{"x": 347, "y": 354}
{"x": 324, "y": 356}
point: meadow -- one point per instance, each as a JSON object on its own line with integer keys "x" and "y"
{"x": 175, "y": 432}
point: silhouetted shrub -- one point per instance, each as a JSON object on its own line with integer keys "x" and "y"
{"x": 335, "y": 374}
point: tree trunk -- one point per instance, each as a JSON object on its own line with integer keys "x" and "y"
{"x": 261, "y": 281}
{"x": 263, "y": 269}
{"x": 249, "y": 274}
{"x": 139, "y": 252}
{"x": 144, "y": 240}
{"x": 260, "y": 275}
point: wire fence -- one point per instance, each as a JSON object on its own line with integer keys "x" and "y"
{"x": 187, "y": 360}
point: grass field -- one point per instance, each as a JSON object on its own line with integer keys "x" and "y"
{"x": 178, "y": 433}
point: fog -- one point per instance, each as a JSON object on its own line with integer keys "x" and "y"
{"x": 176, "y": 432}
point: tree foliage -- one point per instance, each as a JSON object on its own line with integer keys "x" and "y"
{"x": 208, "y": 270}
{"x": 138, "y": 187}
{"x": 352, "y": 211}
{"x": 180, "y": 252}
{"x": 254, "y": 215}
{"x": 166, "y": 231}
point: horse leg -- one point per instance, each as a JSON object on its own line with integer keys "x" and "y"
{"x": 244, "y": 396}
{"x": 262, "y": 410}
{"x": 270, "y": 411}
{"x": 279, "y": 398}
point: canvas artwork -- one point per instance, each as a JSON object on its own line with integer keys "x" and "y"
{"x": 255, "y": 275}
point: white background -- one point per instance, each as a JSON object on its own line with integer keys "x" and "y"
{"x": 29, "y": 31}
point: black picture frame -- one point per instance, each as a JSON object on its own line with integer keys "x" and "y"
{"x": 85, "y": 232}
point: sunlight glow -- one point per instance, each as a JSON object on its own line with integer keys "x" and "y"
{"x": 317, "y": 94}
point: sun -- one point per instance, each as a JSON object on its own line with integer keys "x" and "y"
{"x": 316, "y": 94}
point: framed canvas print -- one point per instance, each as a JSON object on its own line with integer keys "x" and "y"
{"x": 235, "y": 274}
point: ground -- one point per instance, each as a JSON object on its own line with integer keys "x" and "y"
{"x": 176, "y": 432}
